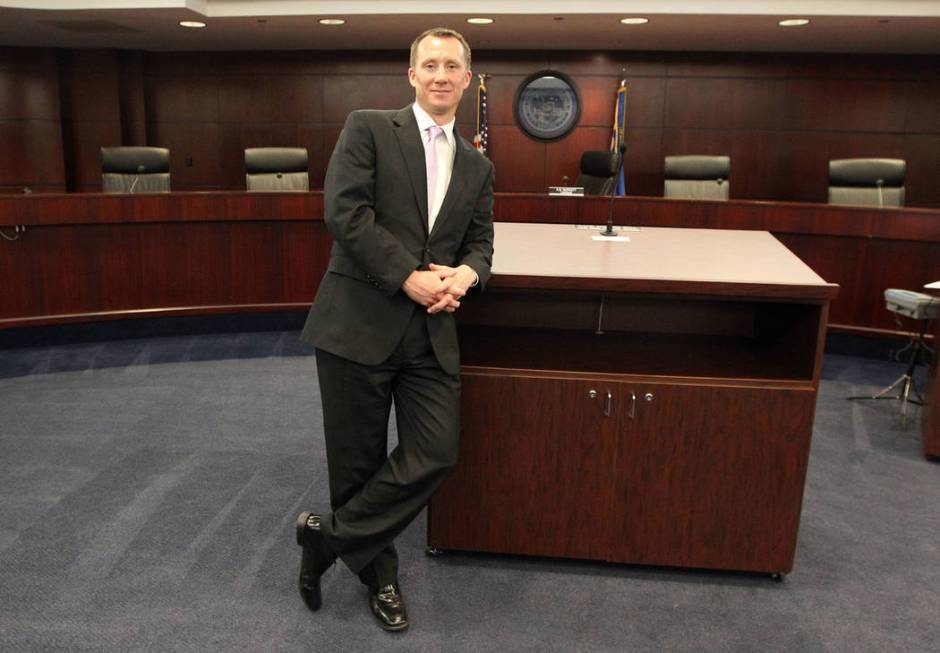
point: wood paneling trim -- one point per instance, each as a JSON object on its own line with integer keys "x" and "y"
{"x": 772, "y": 384}
{"x": 169, "y": 311}
{"x": 778, "y": 217}
{"x": 101, "y": 208}
{"x": 907, "y": 224}
{"x": 661, "y": 286}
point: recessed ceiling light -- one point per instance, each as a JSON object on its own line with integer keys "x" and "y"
{"x": 794, "y": 22}
{"x": 192, "y": 23}
{"x": 479, "y": 21}
{"x": 634, "y": 21}
{"x": 332, "y": 21}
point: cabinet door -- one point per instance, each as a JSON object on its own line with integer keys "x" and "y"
{"x": 534, "y": 475}
{"x": 712, "y": 477}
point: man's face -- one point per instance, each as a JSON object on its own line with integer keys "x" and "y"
{"x": 440, "y": 75}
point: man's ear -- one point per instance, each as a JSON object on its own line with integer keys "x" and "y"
{"x": 411, "y": 76}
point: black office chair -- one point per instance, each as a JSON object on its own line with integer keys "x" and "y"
{"x": 276, "y": 169}
{"x": 697, "y": 177}
{"x": 128, "y": 169}
{"x": 597, "y": 172}
{"x": 867, "y": 182}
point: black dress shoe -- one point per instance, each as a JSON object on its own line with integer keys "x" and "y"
{"x": 315, "y": 560}
{"x": 389, "y": 608}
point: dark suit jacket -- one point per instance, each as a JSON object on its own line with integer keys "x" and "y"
{"x": 376, "y": 210}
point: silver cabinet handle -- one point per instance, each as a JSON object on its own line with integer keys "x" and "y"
{"x": 608, "y": 404}
{"x": 632, "y": 412}
{"x": 592, "y": 394}
{"x": 648, "y": 396}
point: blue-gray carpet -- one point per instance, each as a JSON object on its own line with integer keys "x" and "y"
{"x": 149, "y": 489}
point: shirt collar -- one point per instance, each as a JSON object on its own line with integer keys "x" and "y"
{"x": 425, "y": 121}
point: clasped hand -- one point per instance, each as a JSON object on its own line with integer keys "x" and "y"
{"x": 440, "y": 288}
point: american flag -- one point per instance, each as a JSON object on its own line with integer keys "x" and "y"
{"x": 481, "y": 139}
{"x": 616, "y": 138}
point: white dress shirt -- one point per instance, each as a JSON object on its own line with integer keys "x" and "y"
{"x": 445, "y": 148}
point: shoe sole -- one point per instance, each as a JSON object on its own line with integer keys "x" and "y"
{"x": 393, "y": 629}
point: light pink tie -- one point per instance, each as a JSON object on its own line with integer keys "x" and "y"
{"x": 430, "y": 158}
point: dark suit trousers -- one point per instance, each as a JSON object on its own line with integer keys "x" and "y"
{"x": 374, "y": 494}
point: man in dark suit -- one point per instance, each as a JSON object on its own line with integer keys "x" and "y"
{"x": 409, "y": 204}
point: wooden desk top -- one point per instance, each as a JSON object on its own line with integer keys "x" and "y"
{"x": 725, "y": 261}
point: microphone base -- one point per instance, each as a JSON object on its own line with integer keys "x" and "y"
{"x": 609, "y": 232}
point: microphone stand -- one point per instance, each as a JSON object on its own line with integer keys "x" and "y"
{"x": 879, "y": 183}
{"x": 609, "y": 232}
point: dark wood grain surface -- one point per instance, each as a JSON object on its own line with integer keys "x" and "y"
{"x": 632, "y": 426}
{"x": 711, "y": 477}
{"x": 31, "y": 154}
{"x": 92, "y": 257}
{"x": 862, "y": 250}
{"x": 930, "y": 420}
{"x": 534, "y": 475}
{"x": 780, "y": 117}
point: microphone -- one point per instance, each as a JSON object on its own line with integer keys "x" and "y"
{"x": 564, "y": 180}
{"x": 879, "y": 184}
{"x": 610, "y": 207}
{"x": 140, "y": 170}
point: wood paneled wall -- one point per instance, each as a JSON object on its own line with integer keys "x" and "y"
{"x": 780, "y": 117}
{"x": 30, "y": 122}
{"x": 91, "y": 113}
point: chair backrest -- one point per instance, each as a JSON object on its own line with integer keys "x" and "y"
{"x": 597, "y": 172}
{"x": 697, "y": 177}
{"x": 276, "y": 168}
{"x": 135, "y": 169}
{"x": 867, "y": 182}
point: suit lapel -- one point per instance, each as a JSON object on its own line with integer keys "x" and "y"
{"x": 457, "y": 175}
{"x": 412, "y": 150}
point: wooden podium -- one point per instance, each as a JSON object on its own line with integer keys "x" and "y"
{"x": 644, "y": 401}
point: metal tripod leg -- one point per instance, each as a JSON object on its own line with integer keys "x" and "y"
{"x": 905, "y": 381}
{"x": 904, "y": 393}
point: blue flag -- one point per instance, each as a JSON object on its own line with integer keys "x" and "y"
{"x": 618, "y": 135}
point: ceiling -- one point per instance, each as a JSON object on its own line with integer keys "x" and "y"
{"x": 883, "y": 26}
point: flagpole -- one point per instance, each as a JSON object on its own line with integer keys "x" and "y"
{"x": 620, "y": 126}
{"x": 481, "y": 138}
{"x": 617, "y": 148}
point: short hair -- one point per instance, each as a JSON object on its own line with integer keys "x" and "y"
{"x": 440, "y": 32}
